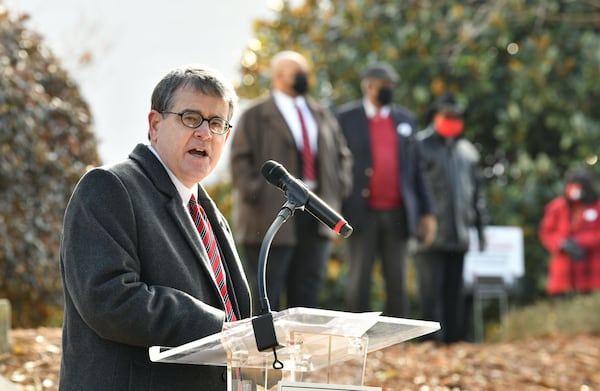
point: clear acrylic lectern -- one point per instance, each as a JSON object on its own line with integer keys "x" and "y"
{"x": 320, "y": 347}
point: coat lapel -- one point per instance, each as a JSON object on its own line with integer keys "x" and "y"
{"x": 403, "y": 148}
{"x": 159, "y": 177}
{"x": 229, "y": 258}
{"x": 191, "y": 235}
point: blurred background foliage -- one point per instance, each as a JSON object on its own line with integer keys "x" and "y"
{"x": 528, "y": 72}
{"x": 46, "y": 144}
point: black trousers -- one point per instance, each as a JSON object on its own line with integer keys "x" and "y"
{"x": 298, "y": 271}
{"x": 441, "y": 296}
{"x": 383, "y": 237}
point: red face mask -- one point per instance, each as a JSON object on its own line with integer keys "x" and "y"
{"x": 573, "y": 191}
{"x": 449, "y": 127}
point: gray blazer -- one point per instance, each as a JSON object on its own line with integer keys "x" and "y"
{"x": 135, "y": 275}
{"x": 262, "y": 134}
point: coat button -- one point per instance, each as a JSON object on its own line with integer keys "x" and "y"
{"x": 365, "y": 193}
{"x": 369, "y": 172}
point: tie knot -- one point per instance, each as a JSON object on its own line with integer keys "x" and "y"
{"x": 195, "y": 208}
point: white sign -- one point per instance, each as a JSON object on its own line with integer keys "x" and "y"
{"x": 502, "y": 257}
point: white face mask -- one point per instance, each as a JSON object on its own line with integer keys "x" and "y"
{"x": 573, "y": 191}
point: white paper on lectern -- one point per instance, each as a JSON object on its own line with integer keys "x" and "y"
{"x": 213, "y": 352}
{"x": 357, "y": 327}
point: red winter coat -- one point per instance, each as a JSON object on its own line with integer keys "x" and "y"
{"x": 564, "y": 274}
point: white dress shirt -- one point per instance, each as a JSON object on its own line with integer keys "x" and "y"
{"x": 183, "y": 191}
{"x": 371, "y": 110}
{"x": 287, "y": 106}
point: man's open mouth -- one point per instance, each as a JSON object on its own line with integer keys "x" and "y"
{"x": 198, "y": 152}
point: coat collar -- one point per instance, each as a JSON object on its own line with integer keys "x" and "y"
{"x": 153, "y": 169}
{"x": 157, "y": 173}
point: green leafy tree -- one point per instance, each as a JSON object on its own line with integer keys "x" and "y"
{"x": 527, "y": 70}
{"x": 46, "y": 144}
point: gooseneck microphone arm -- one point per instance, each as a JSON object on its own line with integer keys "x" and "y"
{"x": 264, "y": 328}
{"x": 284, "y": 214}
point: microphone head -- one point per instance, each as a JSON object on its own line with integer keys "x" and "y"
{"x": 273, "y": 172}
{"x": 346, "y": 230}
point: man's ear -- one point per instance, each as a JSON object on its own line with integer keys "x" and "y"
{"x": 154, "y": 117}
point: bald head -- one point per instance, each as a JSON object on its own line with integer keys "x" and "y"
{"x": 285, "y": 66}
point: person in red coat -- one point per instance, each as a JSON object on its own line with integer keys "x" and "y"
{"x": 570, "y": 231}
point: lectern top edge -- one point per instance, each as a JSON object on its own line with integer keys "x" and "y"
{"x": 238, "y": 337}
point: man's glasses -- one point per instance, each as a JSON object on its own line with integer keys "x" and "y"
{"x": 193, "y": 119}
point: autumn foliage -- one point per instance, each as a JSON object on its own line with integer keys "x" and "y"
{"x": 46, "y": 144}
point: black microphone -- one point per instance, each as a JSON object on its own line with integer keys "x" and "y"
{"x": 277, "y": 175}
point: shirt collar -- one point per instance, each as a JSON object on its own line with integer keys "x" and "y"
{"x": 184, "y": 192}
{"x": 291, "y": 101}
{"x": 371, "y": 110}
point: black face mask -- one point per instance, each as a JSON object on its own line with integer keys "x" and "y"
{"x": 301, "y": 83}
{"x": 385, "y": 95}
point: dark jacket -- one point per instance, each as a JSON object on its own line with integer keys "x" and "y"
{"x": 135, "y": 275}
{"x": 415, "y": 192}
{"x": 262, "y": 134}
{"x": 452, "y": 167}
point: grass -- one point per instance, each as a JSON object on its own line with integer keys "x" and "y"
{"x": 575, "y": 314}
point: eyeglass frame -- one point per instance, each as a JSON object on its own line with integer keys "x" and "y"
{"x": 180, "y": 114}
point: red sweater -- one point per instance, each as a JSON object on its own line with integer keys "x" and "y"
{"x": 384, "y": 185}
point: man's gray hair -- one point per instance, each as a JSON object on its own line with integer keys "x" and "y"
{"x": 201, "y": 78}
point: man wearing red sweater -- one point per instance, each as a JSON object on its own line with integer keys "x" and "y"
{"x": 390, "y": 200}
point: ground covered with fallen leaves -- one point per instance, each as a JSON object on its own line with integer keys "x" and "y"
{"x": 560, "y": 362}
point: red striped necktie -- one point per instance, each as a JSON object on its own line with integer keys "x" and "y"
{"x": 210, "y": 243}
{"x": 308, "y": 157}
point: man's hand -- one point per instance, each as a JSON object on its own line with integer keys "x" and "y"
{"x": 427, "y": 230}
{"x": 482, "y": 241}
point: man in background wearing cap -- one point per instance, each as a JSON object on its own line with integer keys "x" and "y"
{"x": 390, "y": 200}
{"x": 451, "y": 166}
